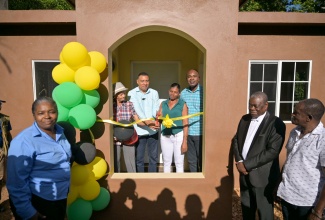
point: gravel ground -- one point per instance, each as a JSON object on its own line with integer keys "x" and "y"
{"x": 236, "y": 209}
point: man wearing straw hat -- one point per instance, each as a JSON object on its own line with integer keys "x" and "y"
{"x": 5, "y": 138}
{"x": 123, "y": 112}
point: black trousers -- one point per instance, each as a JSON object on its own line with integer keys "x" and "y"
{"x": 256, "y": 199}
{"x": 53, "y": 210}
{"x": 293, "y": 212}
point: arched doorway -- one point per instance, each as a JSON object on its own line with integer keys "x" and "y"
{"x": 166, "y": 54}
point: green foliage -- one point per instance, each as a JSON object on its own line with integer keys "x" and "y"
{"x": 308, "y": 6}
{"x": 39, "y": 4}
{"x": 264, "y": 5}
{"x": 316, "y": 6}
{"x": 301, "y": 88}
{"x": 251, "y": 5}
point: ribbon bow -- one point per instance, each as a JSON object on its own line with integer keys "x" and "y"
{"x": 167, "y": 122}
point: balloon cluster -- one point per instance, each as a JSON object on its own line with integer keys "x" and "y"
{"x": 86, "y": 195}
{"x": 78, "y": 76}
{"x": 76, "y": 96}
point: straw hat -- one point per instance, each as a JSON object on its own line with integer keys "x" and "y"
{"x": 118, "y": 87}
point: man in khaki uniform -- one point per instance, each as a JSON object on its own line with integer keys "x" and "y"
{"x": 5, "y": 138}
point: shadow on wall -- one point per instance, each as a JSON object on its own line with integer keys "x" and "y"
{"x": 131, "y": 206}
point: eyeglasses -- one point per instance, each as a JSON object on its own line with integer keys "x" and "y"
{"x": 255, "y": 106}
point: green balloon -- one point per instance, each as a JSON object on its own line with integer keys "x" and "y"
{"x": 79, "y": 210}
{"x": 63, "y": 112}
{"x": 82, "y": 116}
{"x": 102, "y": 200}
{"x": 68, "y": 94}
{"x": 91, "y": 98}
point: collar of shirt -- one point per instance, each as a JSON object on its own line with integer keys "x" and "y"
{"x": 197, "y": 89}
{"x": 122, "y": 103}
{"x": 317, "y": 131}
{"x": 147, "y": 92}
{"x": 38, "y": 132}
{"x": 167, "y": 101}
{"x": 259, "y": 118}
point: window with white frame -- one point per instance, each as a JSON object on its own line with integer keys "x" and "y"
{"x": 286, "y": 82}
{"x": 42, "y": 77}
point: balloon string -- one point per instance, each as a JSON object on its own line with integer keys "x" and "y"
{"x": 92, "y": 137}
{"x": 140, "y": 120}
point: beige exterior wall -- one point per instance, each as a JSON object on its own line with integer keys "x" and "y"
{"x": 112, "y": 27}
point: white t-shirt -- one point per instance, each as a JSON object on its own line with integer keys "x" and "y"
{"x": 302, "y": 177}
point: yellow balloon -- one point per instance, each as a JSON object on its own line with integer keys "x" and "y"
{"x": 91, "y": 176}
{"x": 98, "y": 61}
{"x": 79, "y": 174}
{"x": 63, "y": 73}
{"x": 61, "y": 58}
{"x": 74, "y": 54}
{"x": 73, "y": 194}
{"x": 98, "y": 166}
{"x": 85, "y": 63}
{"x": 87, "y": 78}
{"x": 89, "y": 190}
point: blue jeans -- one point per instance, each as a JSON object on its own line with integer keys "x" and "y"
{"x": 194, "y": 152}
{"x": 150, "y": 141}
{"x": 293, "y": 212}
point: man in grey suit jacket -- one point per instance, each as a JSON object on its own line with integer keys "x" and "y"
{"x": 256, "y": 145}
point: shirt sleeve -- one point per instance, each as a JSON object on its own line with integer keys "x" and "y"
{"x": 19, "y": 166}
{"x": 156, "y": 104}
{"x": 322, "y": 153}
{"x": 235, "y": 149}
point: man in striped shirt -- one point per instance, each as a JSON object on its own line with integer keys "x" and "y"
{"x": 193, "y": 96}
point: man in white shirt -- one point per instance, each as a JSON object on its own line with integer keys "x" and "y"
{"x": 302, "y": 190}
{"x": 146, "y": 105}
{"x": 256, "y": 146}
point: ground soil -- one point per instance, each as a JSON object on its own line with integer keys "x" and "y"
{"x": 236, "y": 209}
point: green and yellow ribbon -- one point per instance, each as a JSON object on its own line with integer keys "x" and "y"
{"x": 166, "y": 121}
{"x": 110, "y": 121}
